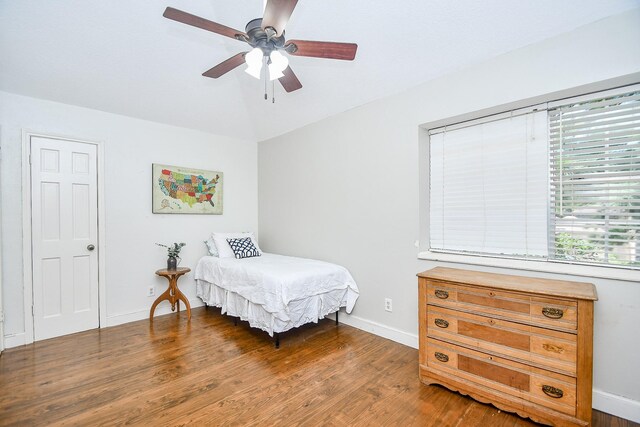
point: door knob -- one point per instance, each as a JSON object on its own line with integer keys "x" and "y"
{"x": 91, "y": 247}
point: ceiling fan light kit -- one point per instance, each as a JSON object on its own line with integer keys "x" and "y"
{"x": 266, "y": 36}
{"x": 254, "y": 60}
{"x": 277, "y": 64}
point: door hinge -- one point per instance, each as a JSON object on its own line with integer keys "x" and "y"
{"x": 29, "y": 158}
{"x": 1, "y": 316}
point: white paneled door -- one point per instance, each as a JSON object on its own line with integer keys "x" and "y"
{"x": 64, "y": 202}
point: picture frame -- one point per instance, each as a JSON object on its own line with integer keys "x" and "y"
{"x": 182, "y": 190}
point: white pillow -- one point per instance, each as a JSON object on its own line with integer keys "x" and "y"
{"x": 211, "y": 246}
{"x": 224, "y": 250}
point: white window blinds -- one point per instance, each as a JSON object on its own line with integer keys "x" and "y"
{"x": 595, "y": 180}
{"x": 489, "y": 187}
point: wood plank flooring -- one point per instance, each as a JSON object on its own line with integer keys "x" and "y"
{"x": 210, "y": 372}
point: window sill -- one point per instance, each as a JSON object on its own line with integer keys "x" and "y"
{"x": 612, "y": 273}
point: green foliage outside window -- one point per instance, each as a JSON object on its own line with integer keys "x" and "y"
{"x": 573, "y": 249}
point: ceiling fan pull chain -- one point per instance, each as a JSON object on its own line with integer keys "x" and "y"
{"x": 266, "y": 76}
{"x": 273, "y": 91}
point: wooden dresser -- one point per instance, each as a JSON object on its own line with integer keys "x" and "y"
{"x": 523, "y": 344}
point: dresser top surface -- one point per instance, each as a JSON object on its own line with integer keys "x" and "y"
{"x": 559, "y": 288}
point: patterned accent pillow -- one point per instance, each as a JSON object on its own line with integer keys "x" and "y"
{"x": 243, "y": 248}
{"x": 224, "y": 250}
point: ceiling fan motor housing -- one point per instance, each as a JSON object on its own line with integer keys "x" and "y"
{"x": 258, "y": 37}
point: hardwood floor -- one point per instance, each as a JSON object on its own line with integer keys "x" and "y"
{"x": 210, "y": 372}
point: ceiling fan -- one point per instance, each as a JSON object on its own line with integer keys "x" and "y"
{"x": 266, "y": 36}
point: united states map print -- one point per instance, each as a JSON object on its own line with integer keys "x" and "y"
{"x": 185, "y": 190}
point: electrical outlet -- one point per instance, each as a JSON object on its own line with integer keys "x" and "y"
{"x": 151, "y": 291}
{"x": 388, "y": 304}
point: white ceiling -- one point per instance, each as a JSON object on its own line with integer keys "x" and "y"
{"x": 123, "y": 57}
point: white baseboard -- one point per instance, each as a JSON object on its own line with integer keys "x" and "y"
{"x": 120, "y": 318}
{"x": 18, "y": 339}
{"x": 378, "y": 329}
{"x": 616, "y": 405}
{"x": 14, "y": 340}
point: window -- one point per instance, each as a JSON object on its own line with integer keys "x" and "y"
{"x": 552, "y": 183}
{"x": 489, "y": 186}
{"x": 595, "y": 180}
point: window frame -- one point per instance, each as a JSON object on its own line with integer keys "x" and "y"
{"x": 615, "y": 272}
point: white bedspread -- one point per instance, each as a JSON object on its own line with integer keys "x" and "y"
{"x": 292, "y": 291}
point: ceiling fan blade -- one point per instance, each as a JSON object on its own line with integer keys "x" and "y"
{"x": 225, "y": 66}
{"x": 277, "y": 14}
{"x": 205, "y": 24}
{"x": 289, "y": 81}
{"x": 329, "y": 50}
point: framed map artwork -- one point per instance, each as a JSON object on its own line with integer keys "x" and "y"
{"x": 178, "y": 190}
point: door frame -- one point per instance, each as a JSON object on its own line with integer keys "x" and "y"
{"x": 2, "y": 310}
{"x": 27, "y": 261}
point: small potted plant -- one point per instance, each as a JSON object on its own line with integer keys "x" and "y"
{"x": 173, "y": 251}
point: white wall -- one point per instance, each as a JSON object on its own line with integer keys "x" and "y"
{"x": 130, "y": 147}
{"x": 346, "y": 189}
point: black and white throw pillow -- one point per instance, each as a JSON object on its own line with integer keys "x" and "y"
{"x": 243, "y": 248}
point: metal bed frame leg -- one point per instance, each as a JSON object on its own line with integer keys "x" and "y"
{"x": 337, "y": 316}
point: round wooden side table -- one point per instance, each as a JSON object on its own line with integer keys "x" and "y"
{"x": 172, "y": 294}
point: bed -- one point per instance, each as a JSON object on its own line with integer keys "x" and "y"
{"x": 275, "y": 293}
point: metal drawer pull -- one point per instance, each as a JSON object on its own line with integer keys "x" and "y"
{"x": 441, "y": 323}
{"x": 550, "y": 391}
{"x": 442, "y": 294}
{"x": 441, "y": 356}
{"x": 552, "y": 313}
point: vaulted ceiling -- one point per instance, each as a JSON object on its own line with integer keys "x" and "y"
{"x": 123, "y": 57}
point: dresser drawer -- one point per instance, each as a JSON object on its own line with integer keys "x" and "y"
{"x": 546, "y": 348}
{"x": 541, "y": 311}
{"x": 546, "y": 388}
